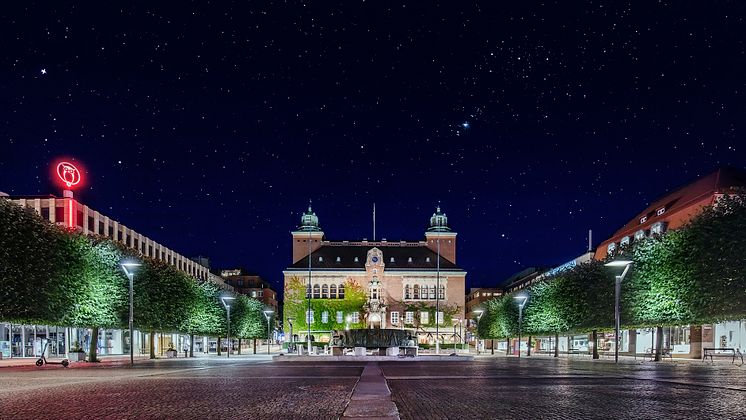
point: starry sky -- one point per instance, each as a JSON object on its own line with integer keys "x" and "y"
{"x": 208, "y": 126}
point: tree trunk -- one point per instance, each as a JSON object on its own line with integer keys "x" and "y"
{"x": 219, "y": 346}
{"x": 239, "y": 346}
{"x": 492, "y": 345}
{"x": 508, "y": 347}
{"x": 594, "y": 335}
{"x": 528, "y": 346}
{"x": 93, "y": 349}
{"x": 556, "y": 344}
{"x": 695, "y": 342}
{"x": 191, "y": 345}
{"x": 152, "y": 345}
{"x": 255, "y": 346}
{"x": 658, "y": 343}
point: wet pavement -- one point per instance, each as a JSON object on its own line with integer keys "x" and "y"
{"x": 256, "y": 387}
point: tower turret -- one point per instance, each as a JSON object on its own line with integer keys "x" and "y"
{"x": 308, "y": 236}
{"x": 440, "y": 232}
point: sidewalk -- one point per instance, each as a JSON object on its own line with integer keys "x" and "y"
{"x": 124, "y": 360}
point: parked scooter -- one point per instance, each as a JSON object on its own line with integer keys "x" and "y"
{"x": 43, "y": 358}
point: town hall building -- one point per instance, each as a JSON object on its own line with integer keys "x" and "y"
{"x": 414, "y": 285}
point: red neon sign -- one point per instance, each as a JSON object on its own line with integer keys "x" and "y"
{"x": 68, "y": 173}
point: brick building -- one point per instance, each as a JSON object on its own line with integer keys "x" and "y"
{"x": 252, "y": 286}
{"x": 396, "y": 276}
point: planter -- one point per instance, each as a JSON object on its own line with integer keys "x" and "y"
{"x": 171, "y": 354}
{"x": 76, "y": 356}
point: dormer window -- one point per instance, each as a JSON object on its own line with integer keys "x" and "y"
{"x": 427, "y": 259}
{"x": 321, "y": 259}
{"x": 409, "y": 259}
{"x": 357, "y": 259}
{"x": 392, "y": 259}
{"x": 611, "y": 248}
{"x": 658, "y": 228}
{"x": 660, "y": 211}
{"x": 639, "y": 235}
{"x": 643, "y": 219}
{"x": 339, "y": 259}
{"x": 624, "y": 241}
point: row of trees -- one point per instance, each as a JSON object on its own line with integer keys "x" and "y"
{"x": 693, "y": 275}
{"x": 53, "y": 276}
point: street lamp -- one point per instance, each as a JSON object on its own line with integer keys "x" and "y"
{"x": 479, "y": 313}
{"x": 292, "y": 342}
{"x": 624, "y": 266}
{"x": 129, "y": 268}
{"x": 521, "y": 301}
{"x": 227, "y": 303}
{"x": 268, "y": 314}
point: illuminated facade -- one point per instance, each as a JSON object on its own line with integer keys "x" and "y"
{"x": 404, "y": 281}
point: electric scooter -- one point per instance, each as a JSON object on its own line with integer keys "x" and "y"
{"x": 43, "y": 358}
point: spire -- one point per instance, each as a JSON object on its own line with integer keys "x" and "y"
{"x": 439, "y": 221}
{"x": 309, "y": 221}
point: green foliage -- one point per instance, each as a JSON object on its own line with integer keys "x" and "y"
{"x": 49, "y": 275}
{"x": 296, "y": 306}
{"x": 417, "y": 307}
{"x": 694, "y": 275}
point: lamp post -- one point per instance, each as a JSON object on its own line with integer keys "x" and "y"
{"x": 227, "y": 303}
{"x": 268, "y": 314}
{"x": 521, "y": 300}
{"x": 479, "y": 313}
{"x": 292, "y": 342}
{"x": 624, "y": 265}
{"x": 129, "y": 268}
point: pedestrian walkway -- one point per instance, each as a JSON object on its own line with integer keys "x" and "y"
{"x": 371, "y": 397}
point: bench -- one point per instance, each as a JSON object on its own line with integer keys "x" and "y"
{"x": 650, "y": 353}
{"x": 719, "y": 351}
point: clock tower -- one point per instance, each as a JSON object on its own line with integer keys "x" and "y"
{"x": 375, "y": 309}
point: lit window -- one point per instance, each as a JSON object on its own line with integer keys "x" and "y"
{"x": 660, "y": 211}
{"x": 624, "y": 241}
{"x": 392, "y": 259}
{"x": 424, "y": 317}
{"x": 611, "y": 248}
{"x": 409, "y": 259}
{"x": 339, "y": 259}
{"x": 408, "y": 317}
{"x": 427, "y": 259}
{"x": 253, "y": 293}
{"x": 261, "y": 293}
{"x": 643, "y": 219}
{"x": 321, "y": 259}
{"x": 356, "y": 259}
{"x": 324, "y": 317}
{"x": 340, "y": 317}
{"x": 640, "y": 235}
{"x": 658, "y": 228}
{"x": 395, "y": 318}
{"x": 309, "y": 317}
{"x": 355, "y": 317}
{"x": 440, "y": 317}
{"x": 442, "y": 293}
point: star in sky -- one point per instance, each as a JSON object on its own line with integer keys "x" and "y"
{"x": 466, "y": 125}
{"x": 43, "y": 71}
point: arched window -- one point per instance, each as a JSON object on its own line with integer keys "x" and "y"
{"x": 432, "y": 292}
{"x": 407, "y": 292}
{"x": 333, "y": 291}
{"x": 416, "y": 291}
{"x": 308, "y": 291}
{"x": 324, "y": 291}
{"x": 341, "y": 291}
{"x": 316, "y": 291}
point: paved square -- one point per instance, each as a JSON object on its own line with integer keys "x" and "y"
{"x": 253, "y": 387}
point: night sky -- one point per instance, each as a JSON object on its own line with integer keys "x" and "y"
{"x": 207, "y": 126}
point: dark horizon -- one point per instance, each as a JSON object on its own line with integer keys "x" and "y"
{"x": 208, "y": 129}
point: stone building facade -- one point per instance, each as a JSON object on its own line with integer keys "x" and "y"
{"x": 412, "y": 285}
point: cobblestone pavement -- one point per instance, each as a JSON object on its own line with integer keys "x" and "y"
{"x": 484, "y": 388}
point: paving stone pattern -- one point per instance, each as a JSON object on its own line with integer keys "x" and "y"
{"x": 252, "y": 388}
